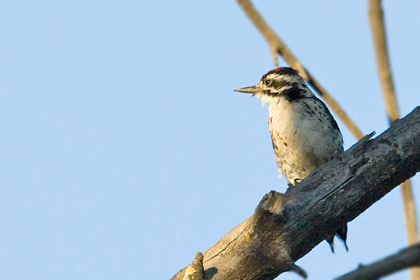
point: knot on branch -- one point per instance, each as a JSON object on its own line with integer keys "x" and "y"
{"x": 270, "y": 216}
{"x": 194, "y": 271}
{"x": 272, "y": 202}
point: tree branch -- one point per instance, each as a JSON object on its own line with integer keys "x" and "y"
{"x": 278, "y": 46}
{"x": 282, "y": 228}
{"x": 377, "y": 26}
{"x": 403, "y": 259}
{"x": 385, "y": 74}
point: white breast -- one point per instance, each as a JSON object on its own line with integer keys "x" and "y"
{"x": 303, "y": 139}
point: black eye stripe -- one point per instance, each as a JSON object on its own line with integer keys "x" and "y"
{"x": 280, "y": 84}
{"x": 293, "y": 94}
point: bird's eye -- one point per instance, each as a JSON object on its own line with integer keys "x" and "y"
{"x": 267, "y": 82}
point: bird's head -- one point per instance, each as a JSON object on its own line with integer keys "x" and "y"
{"x": 282, "y": 82}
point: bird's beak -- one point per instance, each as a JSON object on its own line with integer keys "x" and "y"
{"x": 253, "y": 89}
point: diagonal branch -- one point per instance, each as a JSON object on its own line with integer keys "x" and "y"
{"x": 277, "y": 46}
{"x": 385, "y": 74}
{"x": 282, "y": 228}
{"x": 403, "y": 259}
{"x": 384, "y": 66}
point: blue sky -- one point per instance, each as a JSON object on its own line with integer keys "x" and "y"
{"x": 125, "y": 150}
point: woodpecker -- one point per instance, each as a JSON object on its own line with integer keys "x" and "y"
{"x": 304, "y": 134}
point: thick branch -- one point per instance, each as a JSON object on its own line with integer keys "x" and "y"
{"x": 406, "y": 258}
{"x": 278, "y": 46}
{"x": 282, "y": 229}
{"x": 384, "y": 68}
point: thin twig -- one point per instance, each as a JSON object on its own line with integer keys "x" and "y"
{"x": 408, "y": 257}
{"x": 384, "y": 67}
{"x": 379, "y": 37}
{"x": 277, "y": 46}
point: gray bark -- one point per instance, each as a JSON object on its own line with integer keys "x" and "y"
{"x": 285, "y": 227}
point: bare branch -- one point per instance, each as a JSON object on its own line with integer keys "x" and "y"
{"x": 278, "y": 46}
{"x": 403, "y": 259}
{"x": 282, "y": 228}
{"x": 385, "y": 74}
{"x": 384, "y": 66}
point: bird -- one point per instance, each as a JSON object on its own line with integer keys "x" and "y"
{"x": 304, "y": 133}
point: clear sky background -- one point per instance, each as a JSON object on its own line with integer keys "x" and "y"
{"x": 124, "y": 149}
